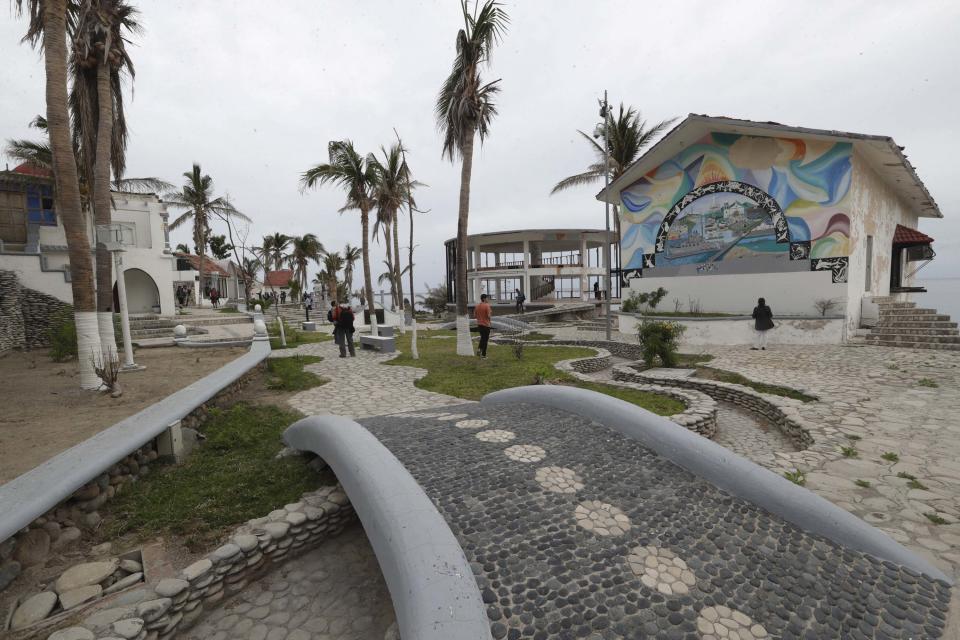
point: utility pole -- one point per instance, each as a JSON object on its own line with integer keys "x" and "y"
{"x": 604, "y": 113}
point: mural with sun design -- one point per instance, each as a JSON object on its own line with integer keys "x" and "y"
{"x": 760, "y": 201}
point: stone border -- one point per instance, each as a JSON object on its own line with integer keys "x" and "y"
{"x": 700, "y": 415}
{"x": 434, "y": 592}
{"x": 174, "y": 604}
{"x": 43, "y": 488}
{"x": 781, "y": 412}
{"x": 723, "y": 468}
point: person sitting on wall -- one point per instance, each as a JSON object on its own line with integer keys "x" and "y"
{"x": 762, "y": 322}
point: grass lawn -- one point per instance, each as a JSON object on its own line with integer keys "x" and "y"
{"x": 230, "y": 478}
{"x": 295, "y": 337}
{"x": 472, "y": 378}
{"x": 536, "y": 335}
{"x": 735, "y": 378}
{"x": 287, "y": 374}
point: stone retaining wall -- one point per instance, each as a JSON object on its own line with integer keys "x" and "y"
{"x": 66, "y": 524}
{"x": 172, "y": 605}
{"x": 11, "y": 319}
{"x": 781, "y": 412}
{"x": 26, "y": 315}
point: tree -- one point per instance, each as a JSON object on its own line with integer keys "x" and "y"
{"x": 249, "y": 267}
{"x": 332, "y": 263}
{"x": 303, "y": 250}
{"x": 435, "y": 299}
{"x": 273, "y": 251}
{"x": 358, "y": 177}
{"x": 465, "y": 108}
{"x": 182, "y": 248}
{"x": 48, "y": 28}
{"x": 219, "y": 247}
{"x": 628, "y": 137}
{"x": 350, "y": 256}
{"x": 384, "y": 220}
{"x": 196, "y": 196}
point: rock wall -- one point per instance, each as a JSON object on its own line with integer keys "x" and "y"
{"x": 26, "y": 315}
{"x": 11, "y": 319}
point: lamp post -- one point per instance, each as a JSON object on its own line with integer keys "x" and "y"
{"x": 604, "y": 113}
{"x": 115, "y": 237}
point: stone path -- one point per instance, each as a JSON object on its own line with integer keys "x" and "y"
{"x": 334, "y": 592}
{"x": 741, "y": 432}
{"x": 573, "y": 530}
{"x": 361, "y": 386}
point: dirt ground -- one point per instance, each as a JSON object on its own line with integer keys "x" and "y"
{"x": 43, "y": 411}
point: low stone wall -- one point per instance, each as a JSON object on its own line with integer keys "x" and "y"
{"x": 12, "y": 333}
{"x": 172, "y": 605}
{"x": 781, "y": 412}
{"x": 40, "y": 313}
{"x": 65, "y": 525}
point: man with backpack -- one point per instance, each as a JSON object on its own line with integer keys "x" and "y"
{"x": 343, "y": 329}
{"x": 520, "y": 300}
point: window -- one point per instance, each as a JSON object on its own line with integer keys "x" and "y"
{"x": 40, "y": 206}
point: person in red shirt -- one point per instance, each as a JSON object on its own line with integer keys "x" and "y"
{"x": 482, "y": 313}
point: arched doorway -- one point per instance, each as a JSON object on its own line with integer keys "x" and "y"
{"x": 142, "y": 292}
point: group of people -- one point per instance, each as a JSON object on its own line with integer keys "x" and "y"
{"x": 341, "y": 316}
{"x": 213, "y": 295}
{"x": 184, "y": 296}
{"x": 273, "y": 297}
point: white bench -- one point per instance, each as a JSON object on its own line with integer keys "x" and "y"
{"x": 383, "y": 344}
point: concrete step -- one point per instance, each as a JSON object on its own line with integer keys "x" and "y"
{"x": 896, "y": 305}
{"x": 161, "y": 332}
{"x": 906, "y": 311}
{"x": 915, "y": 317}
{"x": 903, "y": 331}
{"x": 152, "y": 324}
{"x": 873, "y": 337}
{"x": 940, "y": 346}
{"x": 231, "y": 318}
{"x": 919, "y": 324}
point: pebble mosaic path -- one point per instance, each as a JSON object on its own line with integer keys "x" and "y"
{"x": 588, "y": 534}
{"x": 334, "y": 592}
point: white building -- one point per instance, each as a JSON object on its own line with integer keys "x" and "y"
{"x": 547, "y": 265}
{"x": 33, "y": 242}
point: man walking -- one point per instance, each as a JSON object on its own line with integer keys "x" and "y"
{"x": 482, "y": 314}
{"x": 343, "y": 331}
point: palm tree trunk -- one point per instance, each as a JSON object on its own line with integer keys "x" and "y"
{"x": 202, "y": 249}
{"x": 67, "y": 187}
{"x": 414, "y": 353}
{"x": 616, "y": 227}
{"x": 464, "y": 343}
{"x": 393, "y": 281}
{"x": 101, "y": 208}
{"x": 367, "y": 282}
{"x": 396, "y": 261}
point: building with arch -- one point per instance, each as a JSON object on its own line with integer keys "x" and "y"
{"x": 547, "y": 265}
{"x": 722, "y": 211}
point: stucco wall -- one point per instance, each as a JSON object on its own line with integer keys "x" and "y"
{"x": 735, "y": 331}
{"x": 875, "y": 211}
{"x": 30, "y": 275}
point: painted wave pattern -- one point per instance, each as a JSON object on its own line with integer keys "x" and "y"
{"x": 809, "y": 180}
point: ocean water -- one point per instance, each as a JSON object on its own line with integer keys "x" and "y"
{"x": 943, "y": 294}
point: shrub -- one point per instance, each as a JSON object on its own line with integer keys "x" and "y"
{"x": 63, "y": 337}
{"x": 636, "y": 300}
{"x": 253, "y": 302}
{"x": 890, "y": 456}
{"x": 862, "y": 483}
{"x": 927, "y": 382}
{"x": 796, "y": 477}
{"x": 660, "y": 339}
{"x": 848, "y": 452}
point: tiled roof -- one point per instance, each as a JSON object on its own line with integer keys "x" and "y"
{"x": 30, "y": 169}
{"x": 209, "y": 266}
{"x": 279, "y": 278}
{"x": 906, "y": 235}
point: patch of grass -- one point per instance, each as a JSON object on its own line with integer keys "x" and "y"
{"x": 536, "y": 335}
{"x": 862, "y": 483}
{"x": 853, "y": 438}
{"x": 287, "y": 374}
{"x": 916, "y": 484}
{"x": 684, "y": 361}
{"x": 927, "y": 382}
{"x": 230, "y": 478}
{"x": 473, "y": 378}
{"x": 229, "y": 310}
{"x": 295, "y": 337}
{"x": 890, "y": 456}
{"x": 796, "y": 477}
{"x": 893, "y": 367}
{"x": 848, "y": 452}
{"x": 735, "y": 378}
{"x": 936, "y": 519}
{"x": 906, "y": 476}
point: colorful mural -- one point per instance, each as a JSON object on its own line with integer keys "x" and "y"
{"x": 727, "y": 198}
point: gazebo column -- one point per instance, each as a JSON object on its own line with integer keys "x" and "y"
{"x": 584, "y": 282}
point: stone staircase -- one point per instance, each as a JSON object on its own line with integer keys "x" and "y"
{"x": 293, "y": 314}
{"x": 903, "y": 324}
{"x": 150, "y": 325}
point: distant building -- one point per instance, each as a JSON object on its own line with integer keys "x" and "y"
{"x": 33, "y": 242}
{"x": 547, "y": 265}
{"x": 796, "y": 215}
{"x": 217, "y": 274}
{"x": 277, "y": 281}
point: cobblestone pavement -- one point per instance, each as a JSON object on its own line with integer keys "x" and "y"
{"x": 574, "y": 530}
{"x": 361, "y": 386}
{"x": 333, "y": 592}
{"x": 751, "y": 437}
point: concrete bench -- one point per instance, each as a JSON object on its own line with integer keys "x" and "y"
{"x": 378, "y": 343}
{"x": 386, "y": 331}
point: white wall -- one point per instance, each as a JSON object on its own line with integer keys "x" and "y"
{"x": 787, "y": 293}
{"x": 27, "y": 268}
{"x": 737, "y": 331}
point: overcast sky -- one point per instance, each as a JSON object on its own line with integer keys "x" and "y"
{"x": 254, "y": 92}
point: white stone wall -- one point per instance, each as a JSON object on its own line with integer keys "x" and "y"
{"x": 733, "y": 331}
{"x": 30, "y": 275}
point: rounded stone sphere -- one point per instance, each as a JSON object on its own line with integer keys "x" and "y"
{"x": 180, "y": 331}
{"x": 258, "y": 309}
{"x": 259, "y": 327}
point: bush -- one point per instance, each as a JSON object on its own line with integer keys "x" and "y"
{"x": 637, "y": 300}
{"x": 660, "y": 339}
{"x": 253, "y": 302}
{"x": 63, "y": 337}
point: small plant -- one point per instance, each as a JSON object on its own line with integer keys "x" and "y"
{"x": 677, "y": 305}
{"x": 890, "y": 456}
{"x": 927, "y": 382}
{"x": 862, "y": 483}
{"x": 848, "y": 452}
{"x": 694, "y": 306}
{"x": 107, "y": 368}
{"x": 893, "y": 367}
{"x": 916, "y": 484}
{"x": 853, "y": 437}
{"x": 636, "y": 300}
{"x": 660, "y": 339}
{"x": 825, "y": 305}
{"x": 517, "y": 346}
{"x": 906, "y": 476}
{"x": 63, "y": 337}
{"x": 796, "y": 476}
{"x": 936, "y": 519}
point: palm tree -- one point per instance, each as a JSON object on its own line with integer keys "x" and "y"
{"x": 628, "y": 136}
{"x": 48, "y": 28}
{"x": 196, "y": 196}
{"x": 350, "y": 256}
{"x": 249, "y": 267}
{"x": 465, "y": 108}
{"x": 384, "y": 220}
{"x": 359, "y": 178}
{"x": 273, "y": 251}
{"x": 99, "y": 60}
{"x": 303, "y": 249}
{"x": 332, "y": 263}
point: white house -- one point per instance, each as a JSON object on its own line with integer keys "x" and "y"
{"x": 33, "y": 242}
